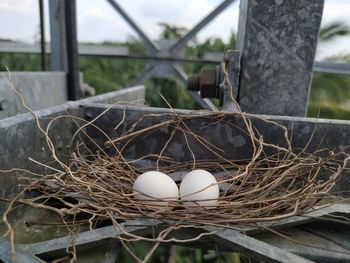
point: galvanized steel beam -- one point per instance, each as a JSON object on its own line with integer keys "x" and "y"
{"x": 332, "y": 67}
{"x": 58, "y": 36}
{"x": 42, "y": 35}
{"x": 277, "y": 40}
{"x": 73, "y": 80}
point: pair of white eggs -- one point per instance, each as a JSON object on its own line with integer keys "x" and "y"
{"x": 198, "y": 187}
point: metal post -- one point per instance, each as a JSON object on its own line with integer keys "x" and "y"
{"x": 73, "y": 81}
{"x": 42, "y": 35}
{"x": 277, "y": 40}
{"x": 58, "y": 36}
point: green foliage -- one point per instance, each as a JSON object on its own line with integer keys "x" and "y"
{"x": 173, "y": 93}
{"x": 172, "y": 31}
{"x": 329, "y": 111}
{"x": 108, "y": 74}
{"x": 330, "y": 93}
{"x": 330, "y": 88}
{"x": 329, "y": 96}
{"x": 20, "y": 62}
{"x": 333, "y": 30}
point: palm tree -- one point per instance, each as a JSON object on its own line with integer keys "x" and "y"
{"x": 330, "y": 93}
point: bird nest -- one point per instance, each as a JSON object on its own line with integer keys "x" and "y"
{"x": 265, "y": 182}
{"x": 275, "y": 182}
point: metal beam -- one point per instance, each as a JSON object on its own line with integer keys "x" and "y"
{"x": 206, "y": 20}
{"x": 332, "y": 67}
{"x": 100, "y": 236}
{"x": 73, "y": 79}
{"x": 58, "y": 36}
{"x": 256, "y": 248}
{"x": 144, "y": 76}
{"x": 21, "y": 256}
{"x": 309, "y": 134}
{"x": 151, "y": 46}
{"x": 96, "y": 50}
{"x": 42, "y": 35}
{"x": 84, "y": 49}
{"x": 277, "y": 40}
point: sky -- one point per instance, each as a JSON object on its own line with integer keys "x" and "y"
{"x": 98, "y": 21}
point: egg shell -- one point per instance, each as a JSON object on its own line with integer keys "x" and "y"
{"x": 157, "y": 185}
{"x": 199, "y": 185}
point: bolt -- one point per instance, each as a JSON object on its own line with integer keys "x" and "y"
{"x": 193, "y": 82}
{"x": 206, "y": 82}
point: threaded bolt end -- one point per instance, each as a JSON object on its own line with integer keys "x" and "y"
{"x": 193, "y": 82}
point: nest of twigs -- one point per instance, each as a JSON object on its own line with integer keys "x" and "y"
{"x": 273, "y": 180}
{"x": 274, "y": 183}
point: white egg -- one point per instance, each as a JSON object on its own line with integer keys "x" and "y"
{"x": 199, "y": 185}
{"x": 153, "y": 186}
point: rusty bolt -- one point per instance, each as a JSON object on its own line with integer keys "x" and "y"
{"x": 206, "y": 82}
{"x": 193, "y": 82}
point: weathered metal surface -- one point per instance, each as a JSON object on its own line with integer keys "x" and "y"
{"x": 332, "y": 67}
{"x": 305, "y": 133}
{"x": 232, "y": 60}
{"x": 88, "y": 239}
{"x": 83, "y": 48}
{"x": 232, "y": 240}
{"x": 40, "y": 90}
{"x": 21, "y": 256}
{"x": 321, "y": 241}
{"x": 42, "y": 36}
{"x": 238, "y": 242}
{"x": 277, "y": 40}
{"x": 318, "y": 214}
{"x": 21, "y": 139}
{"x": 226, "y": 135}
{"x": 256, "y": 248}
{"x": 22, "y": 130}
{"x": 73, "y": 81}
{"x": 58, "y": 36}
